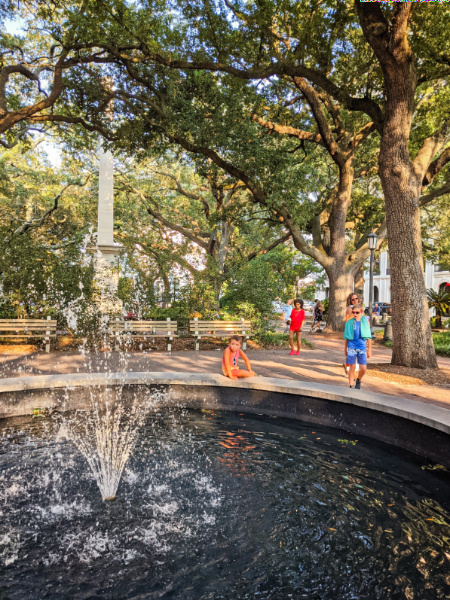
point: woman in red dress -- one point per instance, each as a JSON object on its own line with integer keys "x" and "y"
{"x": 297, "y": 320}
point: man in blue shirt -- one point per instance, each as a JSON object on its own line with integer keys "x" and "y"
{"x": 287, "y": 309}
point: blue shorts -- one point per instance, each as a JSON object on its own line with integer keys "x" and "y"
{"x": 354, "y": 354}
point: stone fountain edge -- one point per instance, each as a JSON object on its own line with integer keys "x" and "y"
{"x": 430, "y": 415}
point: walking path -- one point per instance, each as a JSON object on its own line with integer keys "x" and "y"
{"x": 322, "y": 365}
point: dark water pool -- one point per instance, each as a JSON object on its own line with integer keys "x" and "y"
{"x": 221, "y": 506}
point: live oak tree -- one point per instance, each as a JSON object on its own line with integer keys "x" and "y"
{"x": 45, "y": 214}
{"x": 385, "y": 76}
{"x": 210, "y": 211}
{"x": 148, "y": 92}
{"x": 389, "y": 63}
{"x": 225, "y": 126}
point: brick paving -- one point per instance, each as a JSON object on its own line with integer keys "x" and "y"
{"x": 322, "y": 364}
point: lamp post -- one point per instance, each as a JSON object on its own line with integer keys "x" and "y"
{"x": 372, "y": 240}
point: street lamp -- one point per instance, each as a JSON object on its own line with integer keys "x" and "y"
{"x": 372, "y": 240}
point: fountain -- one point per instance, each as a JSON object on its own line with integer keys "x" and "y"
{"x": 211, "y": 504}
{"x": 106, "y": 434}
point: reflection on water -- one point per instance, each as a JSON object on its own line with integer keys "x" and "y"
{"x": 216, "y": 506}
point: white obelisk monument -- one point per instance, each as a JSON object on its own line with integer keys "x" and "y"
{"x": 105, "y": 252}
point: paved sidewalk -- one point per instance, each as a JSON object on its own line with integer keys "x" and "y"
{"x": 322, "y": 365}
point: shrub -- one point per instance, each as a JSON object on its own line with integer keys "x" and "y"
{"x": 442, "y": 343}
{"x": 270, "y": 338}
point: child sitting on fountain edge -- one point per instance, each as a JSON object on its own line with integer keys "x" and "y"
{"x": 230, "y": 361}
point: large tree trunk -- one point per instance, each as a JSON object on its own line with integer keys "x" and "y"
{"x": 412, "y": 338}
{"x": 217, "y": 287}
{"x": 413, "y": 342}
{"x": 339, "y": 276}
{"x": 220, "y": 255}
{"x": 341, "y": 284}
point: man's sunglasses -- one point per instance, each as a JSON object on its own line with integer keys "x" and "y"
{"x": 356, "y": 312}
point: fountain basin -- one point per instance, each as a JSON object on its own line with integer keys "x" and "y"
{"x": 255, "y": 501}
{"x": 409, "y": 424}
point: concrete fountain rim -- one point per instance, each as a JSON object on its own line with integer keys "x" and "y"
{"x": 430, "y": 415}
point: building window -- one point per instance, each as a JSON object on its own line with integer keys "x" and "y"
{"x": 376, "y": 265}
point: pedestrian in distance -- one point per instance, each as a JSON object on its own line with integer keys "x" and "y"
{"x": 358, "y": 345}
{"x": 297, "y": 320}
{"x": 287, "y": 309}
{"x": 230, "y": 367}
{"x": 317, "y": 316}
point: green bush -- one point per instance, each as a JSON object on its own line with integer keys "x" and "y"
{"x": 442, "y": 343}
{"x": 270, "y": 338}
{"x": 178, "y": 312}
{"x": 435, "y": 322}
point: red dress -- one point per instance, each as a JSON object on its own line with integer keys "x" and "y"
{"x": 297, "y": 318}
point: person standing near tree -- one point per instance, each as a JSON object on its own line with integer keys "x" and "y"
{"x": 358, "y": 345}
{"x": 317, "y": 316}
{"x": 352, "y": 299}
{"x": 297, "y": 320}
{"x": 287, "y": 309}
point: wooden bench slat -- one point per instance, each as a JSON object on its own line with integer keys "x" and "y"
{"x": 235, "y": 323}
{"x": 27, "y": 335}
{"x": 219, "y": 329}
{"x": 18, "y": 328}
{"x": 20, "y": 321}
{"x": 134, "y": 330}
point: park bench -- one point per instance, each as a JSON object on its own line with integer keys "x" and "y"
{"x": 25, "y": 328}
{"x": 202, "y": 329}
{"x": 134, "y": 330}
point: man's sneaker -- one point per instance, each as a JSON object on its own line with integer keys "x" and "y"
{"x": 291, "y": 352}
{"x": 358, "y": 384}
{"x": 297, "y": 353}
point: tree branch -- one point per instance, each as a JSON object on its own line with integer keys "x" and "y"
{"x": 436, "y": 166}
{"x": 35, "y": 223}
{"x": 267, "y": 249}
{"x": 9, "y": 119}
{"x": 445, "y": 189}
{"x": 289, "y": 131}
{"x": 184, "y": 232}
{"x": 281, "y": 68}
{"x": 327, "y": 137}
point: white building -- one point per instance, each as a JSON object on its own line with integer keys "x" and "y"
{"x": 435, "y": 278}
